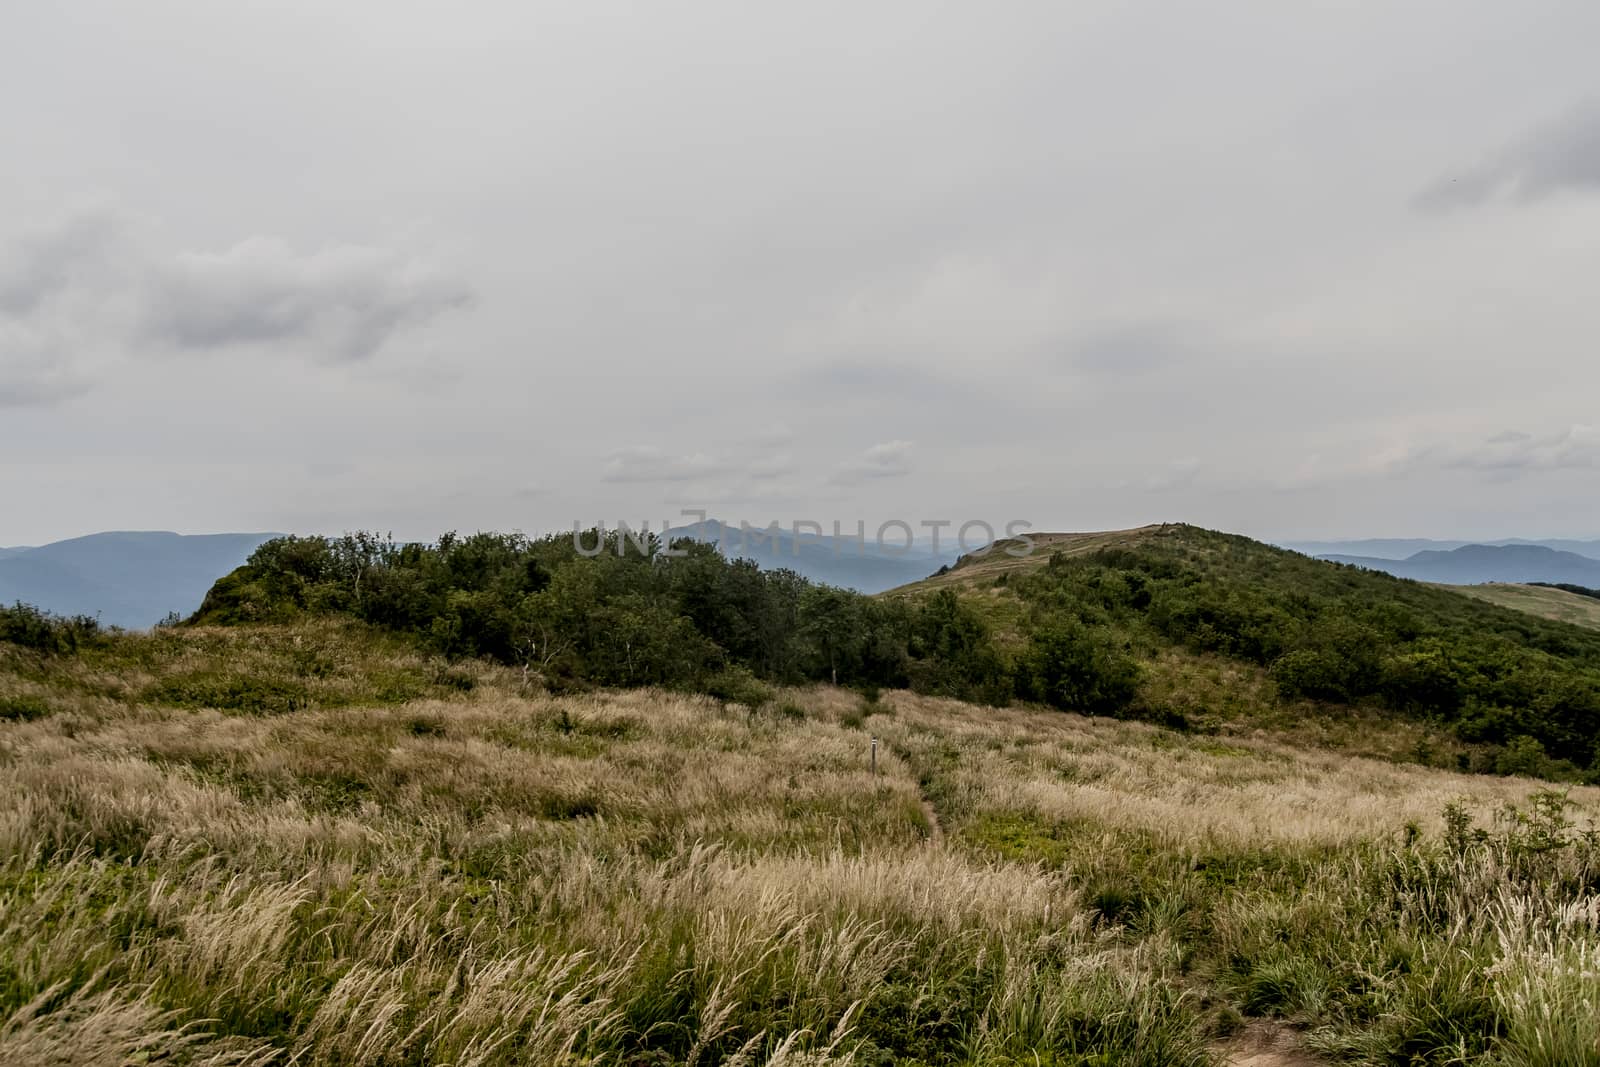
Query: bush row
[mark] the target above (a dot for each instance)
(697, 619)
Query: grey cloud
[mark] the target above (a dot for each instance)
(899, 391)
(51, 258)
(22, 357)
(63, 291)
(868, 376)
(38, 383)
(25, 393)
(91, 289)
(890, 459)
(876, 380)
(1128, 348)
(775, 435)
(766, 468)
(698, 496)
(1575, 448)
(330, 468)
(761, 458)
(1179, 475)
(1510, 453)
(344, 302)
(1564, 154)
(648, 464)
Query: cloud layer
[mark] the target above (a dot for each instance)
(1562, 155)
(1103, 264)
(342, 303)
(889, 459)
(93, 288)
(1515, 453)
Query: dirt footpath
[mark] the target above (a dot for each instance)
(1267, 1045)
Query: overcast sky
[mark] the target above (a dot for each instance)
(1294, 270)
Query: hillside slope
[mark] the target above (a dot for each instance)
(1225, 628)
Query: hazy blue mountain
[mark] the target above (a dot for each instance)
(128, 579)
(1581, 548)
(867, 569)
(1379, 547)
(1400, 548)
(1473, 564)
(4, 552)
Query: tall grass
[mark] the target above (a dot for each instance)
(488, 876)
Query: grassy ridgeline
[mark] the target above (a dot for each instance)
(431, 864)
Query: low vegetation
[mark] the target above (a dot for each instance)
(492, 802)
(431, 862)
(25, 626)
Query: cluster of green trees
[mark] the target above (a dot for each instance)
(31, 628)
(646, 618)
(1526, 687)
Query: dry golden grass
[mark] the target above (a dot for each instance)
(495, 879)
(1186, 788)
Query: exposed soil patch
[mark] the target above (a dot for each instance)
(1265, 1044)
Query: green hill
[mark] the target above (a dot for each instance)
(1286, 633)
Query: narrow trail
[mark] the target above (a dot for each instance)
(930, 814)
(1265, 1044)
(935, 830)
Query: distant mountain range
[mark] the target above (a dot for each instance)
(134, 579)
(1400, 548)
(1475, 564)
(128, 579)
(869, 568)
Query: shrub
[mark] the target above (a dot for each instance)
(1523, 755)
(28, 627)
(22, 708)
(1311, 673)
(1067, 666)
(229, 692)
(737, 685)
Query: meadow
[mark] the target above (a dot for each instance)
(1545, 601)
(311, 843)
